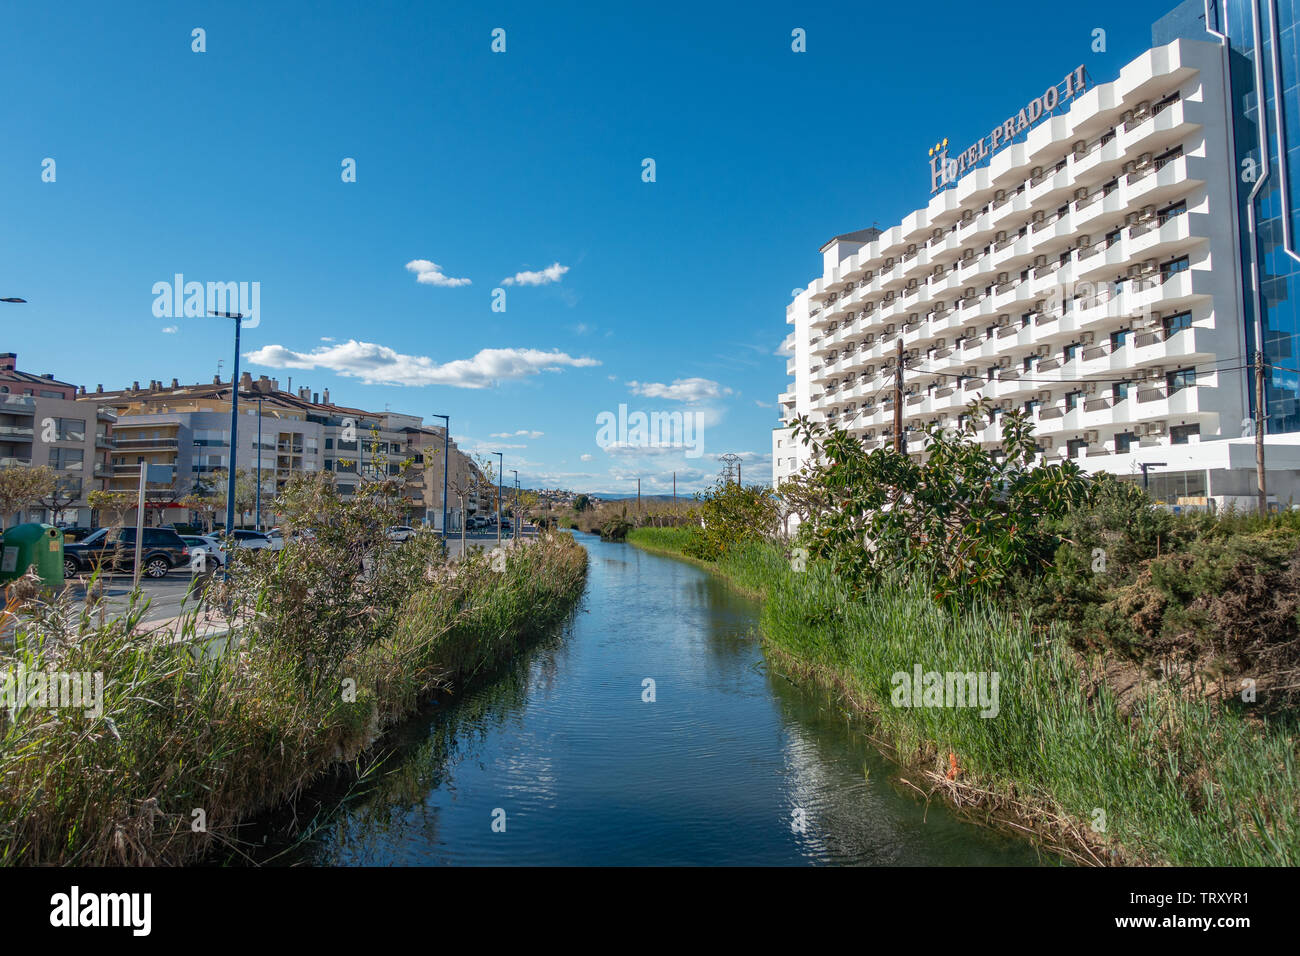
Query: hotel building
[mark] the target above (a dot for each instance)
(1105, 260)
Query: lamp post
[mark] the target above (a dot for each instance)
(500, 475)
(234, 429)
(259, 461)
(514, 512)
(446, 438)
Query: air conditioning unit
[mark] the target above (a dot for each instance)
(911, 248)
(967, 255)
(1003, 277)
(967, 216)
(940, 343)
(1043, 350)
(1085, 242)
(1087, 338)
(1091, 437)
(1081, 192)
(868, 339)
(1128, 115)
(911, 284)
(938, 272)
(890, 329)
(1090, 388)
(1004, 361)
(1003, 321)
(1080, 146)
(869, 371)
(1156, 373)
(871, 274)
(1130, 167)
(937, 234)
(1001, 236)
(1149, 266)
(1040, 261)
(1039, 215)
(1144, 161)
(1044, 396)
(1134, 271)
(911, 354)
(1154, 428)
(1040, 304)
(1036, 172)
(1006, 404)
(1000, 195)
(889, 263)
(1148, 212)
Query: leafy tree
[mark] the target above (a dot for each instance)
(581, 503)
(965, 517)
(22, 486)
(731, 515)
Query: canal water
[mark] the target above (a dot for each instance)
(731, 763)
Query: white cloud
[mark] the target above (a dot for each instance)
(327, 338)
(762, 404)
(170, 330)
(586, 457)
(522, 432)
(681, 390)
(430, 273)
(381, 365)
(551, 273)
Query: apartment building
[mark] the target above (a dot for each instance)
(290, 432)
(42, 423)
(1081, 263)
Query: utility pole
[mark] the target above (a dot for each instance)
(638, 496)
(1260, 419)
(898, 397)
(674, 489)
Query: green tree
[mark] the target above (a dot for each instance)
(966, 517)
(22, 486)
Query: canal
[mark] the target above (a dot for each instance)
(562, 759)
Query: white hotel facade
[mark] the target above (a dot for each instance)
(1087, 271)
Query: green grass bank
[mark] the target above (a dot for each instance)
(1161, 778)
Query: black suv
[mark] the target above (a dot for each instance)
(161, 550)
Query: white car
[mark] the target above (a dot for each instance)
(206, 545)
(401, 532)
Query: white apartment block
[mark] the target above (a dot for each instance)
(1087, 271)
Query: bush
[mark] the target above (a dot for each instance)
(731, 516)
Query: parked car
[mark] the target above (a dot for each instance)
(401, 532)
(251, 539)
(206, 545)
(162, 549)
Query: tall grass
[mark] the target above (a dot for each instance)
(232, 735)
(1167, 779)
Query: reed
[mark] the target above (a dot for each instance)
(186, 737)
(1166, 778)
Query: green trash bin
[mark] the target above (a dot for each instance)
(33, 545)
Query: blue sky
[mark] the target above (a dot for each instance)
(666, 296)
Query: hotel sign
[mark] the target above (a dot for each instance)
(945, 171)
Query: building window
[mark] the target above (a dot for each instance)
(1124, 442)
(1118, 339)
(1069, 352)
(1174, 266)
(1176, 323)
(1119, 391)
(67, 459)
(329, 443)
(1181, 434)
(71, 429)
(1179, 380)
(1075, 446)
(1171, 212)
(1072, 402)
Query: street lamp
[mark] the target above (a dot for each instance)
(234, 428)
(500, 475)
(259, 461)
(514, 513)
(446, 438)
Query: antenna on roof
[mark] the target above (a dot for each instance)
(220, 362)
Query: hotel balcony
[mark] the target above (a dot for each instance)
(14, 462)
(16, 433)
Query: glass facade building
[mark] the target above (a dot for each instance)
(1263, 47)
